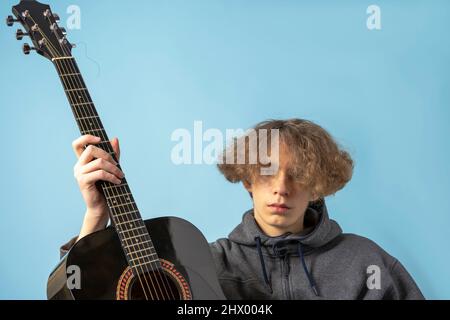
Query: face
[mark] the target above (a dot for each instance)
(279, 202)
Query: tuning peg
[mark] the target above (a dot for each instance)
(10, 21)
(20, 34)
(27, 49)
(63, 30)
(47, 14)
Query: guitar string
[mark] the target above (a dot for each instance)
(106, 140)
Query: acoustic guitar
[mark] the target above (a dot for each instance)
(165, 258)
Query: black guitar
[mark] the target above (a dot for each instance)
(123, 261)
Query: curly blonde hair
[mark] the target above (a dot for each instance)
(317, 161)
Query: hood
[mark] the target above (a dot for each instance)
(319, 229)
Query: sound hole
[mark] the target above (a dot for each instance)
(154, 286)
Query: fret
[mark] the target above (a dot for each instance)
(96, 130)
(132, 229)
(130, 214)
(80, 89)
(125, 213)
(122, 204)
(91, 117)
(61, 58)
(83, 98)
(116, 186)
(145, 249)
(141, 257)
(144, 260)
(136, 240)
(130, 235)
(114, 204)
(70, 74)
(82, 104)
(94, 125)
(134, 237)
(83, 132)
(83, 107)
(78, 99)
(120, 195)
(130, 247)
(129, 222)
(120, 200)
(136, 244)
(92, 132)
(144, 263)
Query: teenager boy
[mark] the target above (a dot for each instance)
(286, 246)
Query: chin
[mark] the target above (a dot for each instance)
(278, 220)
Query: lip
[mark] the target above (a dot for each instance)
(279, 207)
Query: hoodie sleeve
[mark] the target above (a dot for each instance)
(66, 247)
(402, 286)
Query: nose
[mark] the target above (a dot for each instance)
(280, 184)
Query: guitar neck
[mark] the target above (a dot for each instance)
(124, 213)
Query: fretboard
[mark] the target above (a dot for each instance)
(124, 213)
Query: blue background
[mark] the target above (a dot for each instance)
(155, 66)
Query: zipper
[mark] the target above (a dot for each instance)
(285, 275)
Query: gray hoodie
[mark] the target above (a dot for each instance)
(320, 263)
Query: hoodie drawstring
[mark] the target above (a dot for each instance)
(312, 283)
(302, 259)
(263, 265)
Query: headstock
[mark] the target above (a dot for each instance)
(41, 25)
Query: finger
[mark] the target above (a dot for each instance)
(116, 147)
(79, 143)
(92, 177)
(101, 164)
(92, 152)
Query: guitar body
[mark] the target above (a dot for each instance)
(104, 273)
